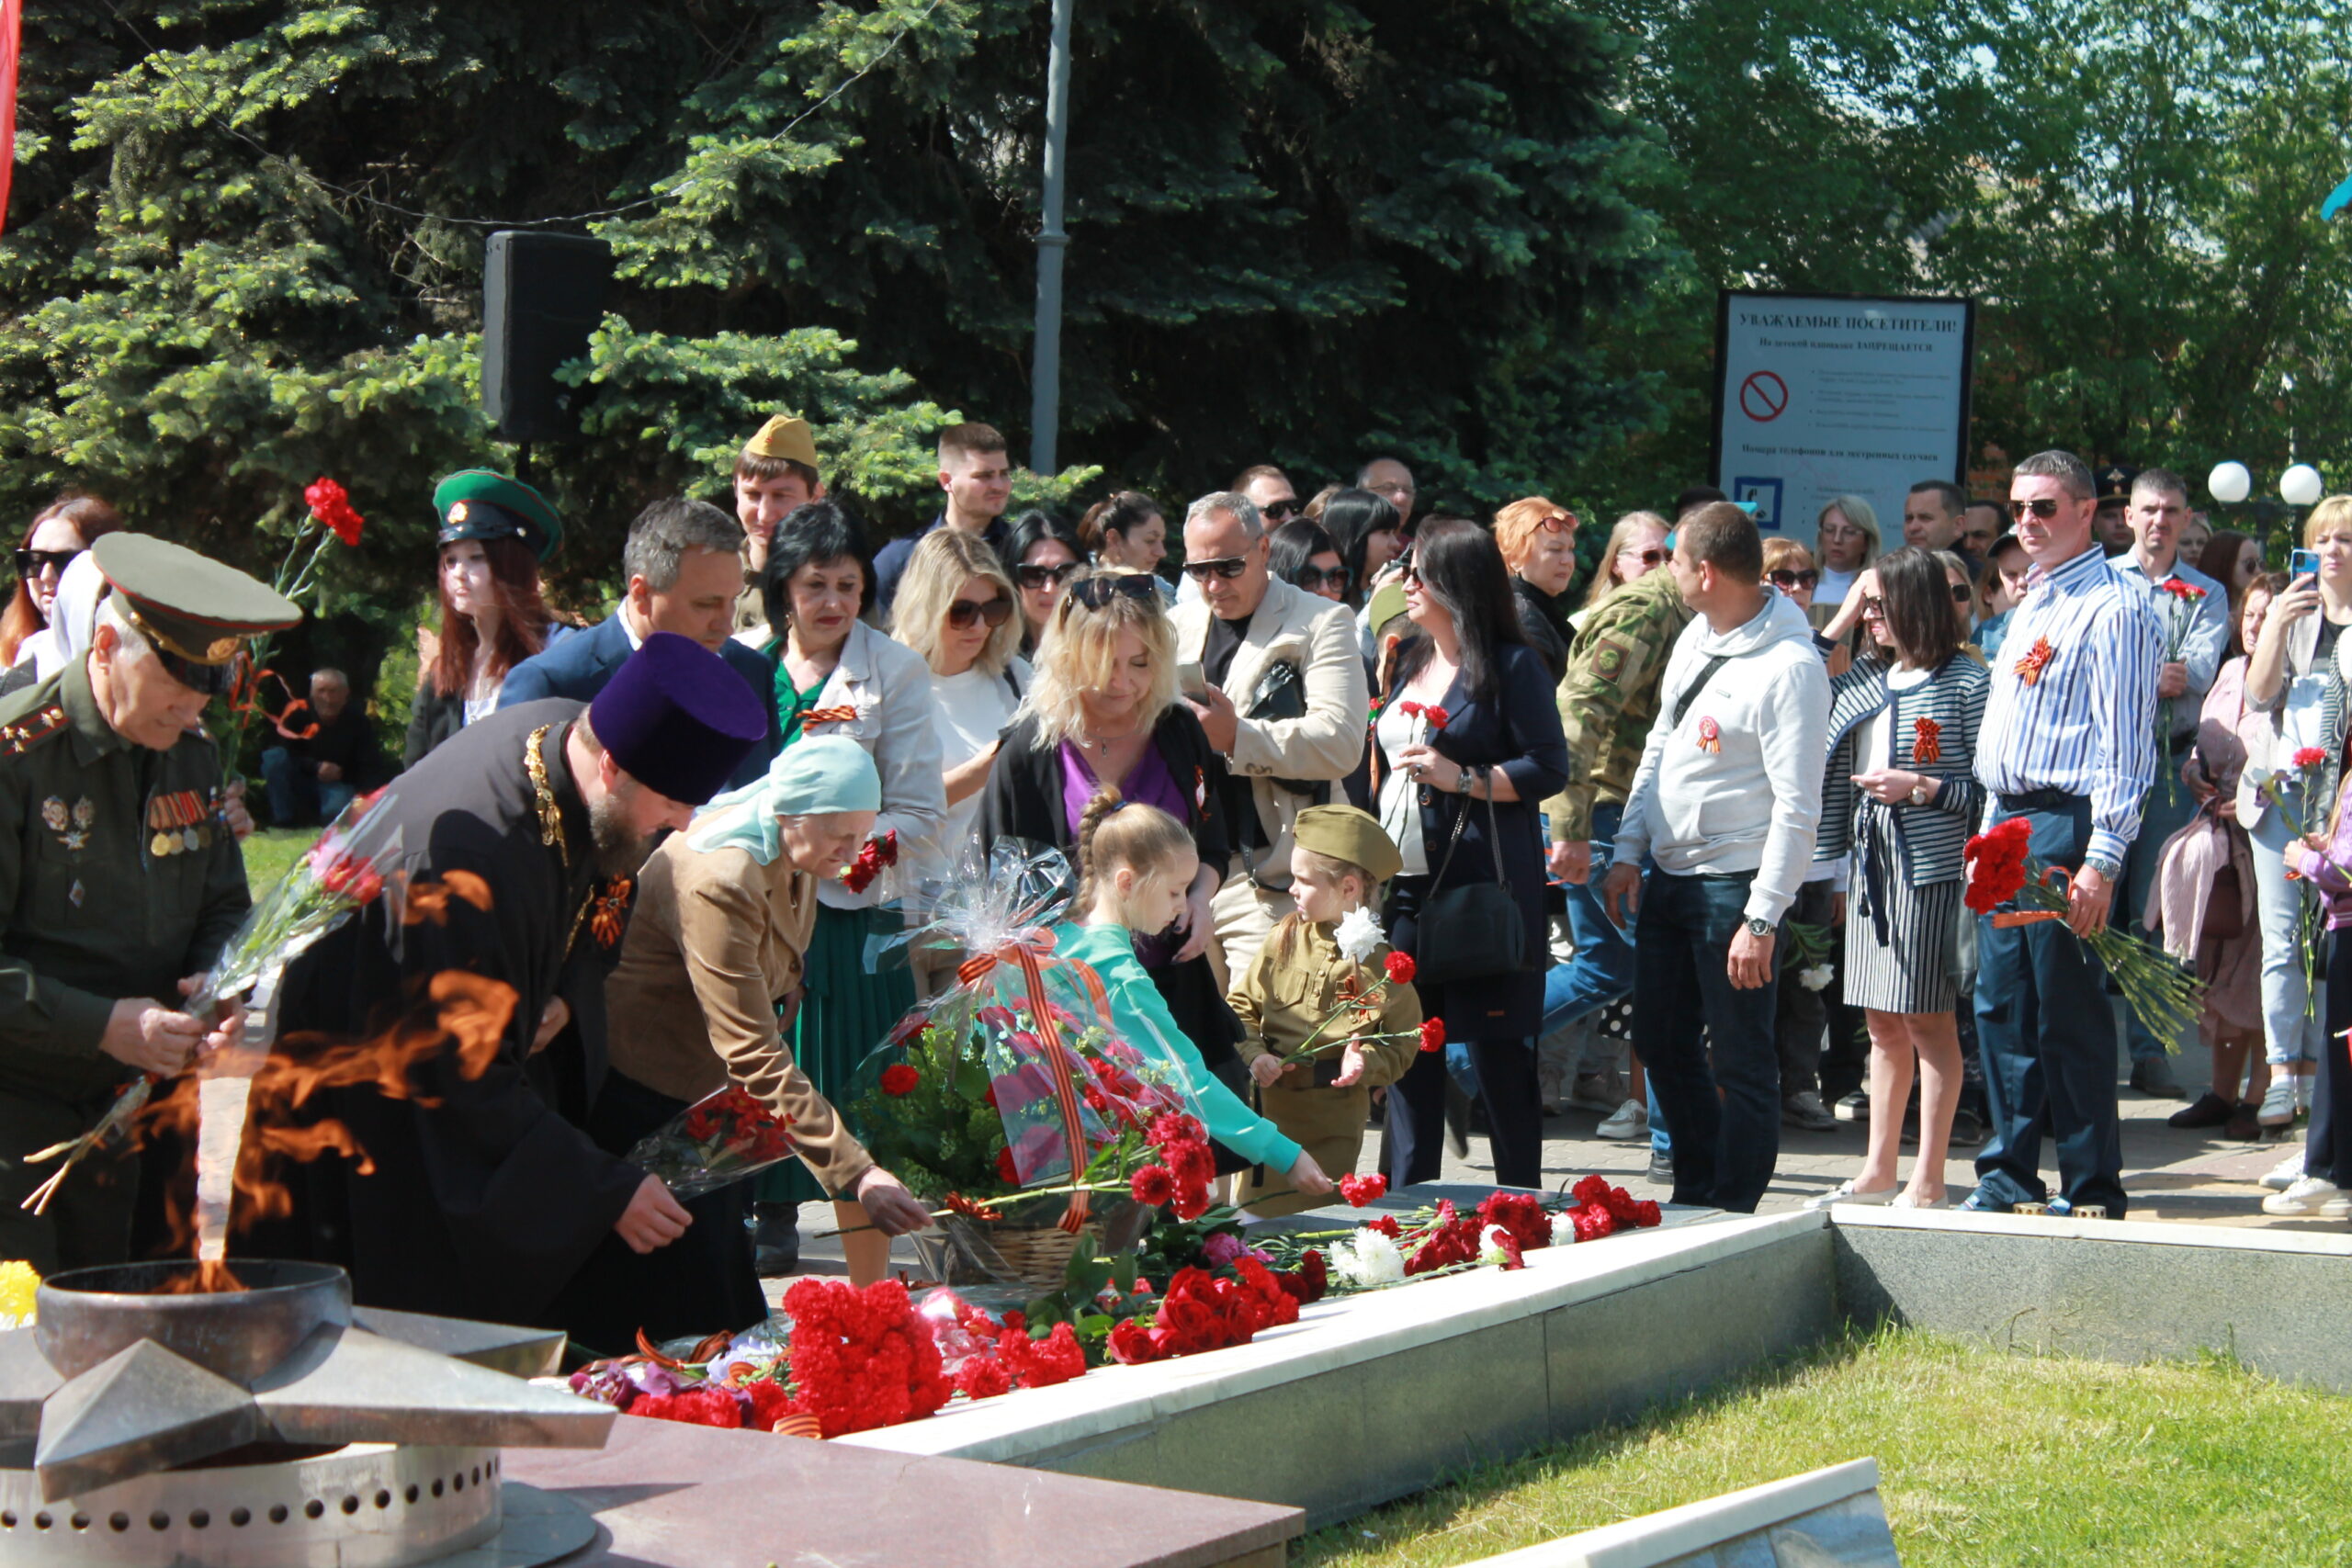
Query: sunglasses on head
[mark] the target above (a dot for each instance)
(30, 563)
(1226, 567)
(1313, 578)
(1282, 510)
(964, 612)
(2042, 507)
(1043, 576)
(1558, 522)
(1788, 579)
(1094, 592)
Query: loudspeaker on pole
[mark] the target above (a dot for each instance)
(542, 295)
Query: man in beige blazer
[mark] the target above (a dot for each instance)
(1238, 635)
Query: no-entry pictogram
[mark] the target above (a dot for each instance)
(1763, 396)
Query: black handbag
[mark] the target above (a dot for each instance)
(1473, 932)
(1281, 695)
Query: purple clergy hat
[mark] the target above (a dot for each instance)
(677, 718)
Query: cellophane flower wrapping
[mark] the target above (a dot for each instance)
(717, 1141)
(963, 1101)
(350, 866)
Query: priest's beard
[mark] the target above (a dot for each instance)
(620, 848)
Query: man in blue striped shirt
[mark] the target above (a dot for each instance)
(2067, 743)
(2197, 636)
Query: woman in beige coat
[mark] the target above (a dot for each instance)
(721, 923)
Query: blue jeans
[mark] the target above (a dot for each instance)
(1602, 970)
(2167, 808)
(296, 797)
(2291, 1014)
(2047, 1035)
(1726, 1118)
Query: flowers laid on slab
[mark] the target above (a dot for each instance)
(2001, 868)
(718, 1140)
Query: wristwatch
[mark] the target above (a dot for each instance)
(2104, 867)
(1760, 927)
(1919, 790)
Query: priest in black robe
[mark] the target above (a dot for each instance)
(458, 1030)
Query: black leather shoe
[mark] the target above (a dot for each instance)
(1661, 1169)
(2209, 1110)
(775, 1239)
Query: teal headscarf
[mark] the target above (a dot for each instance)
(825, 772)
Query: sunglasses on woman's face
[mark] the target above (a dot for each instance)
(1962, 592)
(1034, 576)
(2042, 507)
(1653, 556)
(1314, 579)
(32, 563)
(1796, 579)
(1094, 592)
(964, 612)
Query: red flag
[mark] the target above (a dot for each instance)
(12, 21)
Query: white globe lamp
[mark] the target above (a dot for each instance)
(2301, 486)
(2228, 484)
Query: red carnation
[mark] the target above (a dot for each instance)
(2309, 757)
(1400, 968)
(1154, 1184)
(1004, 1171)
(330, 505)
(1997, 864)
(900, 1078)
(1432, 1035)
(1434, 716)
(1361, 1190)
(1386, 1225)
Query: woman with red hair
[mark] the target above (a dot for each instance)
(494, 533)
(61, 530)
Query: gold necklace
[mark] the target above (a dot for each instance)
(535, 763)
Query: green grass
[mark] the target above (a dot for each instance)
(1985, 1458)
(271, 851)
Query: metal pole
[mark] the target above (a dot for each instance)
(1045, 371)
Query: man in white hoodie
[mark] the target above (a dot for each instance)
(1725, 805)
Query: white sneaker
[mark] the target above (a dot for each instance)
(1630, 1121)
(1847, 1192)
(2279, 1102)
(2286, 1173)
(2310, 1195)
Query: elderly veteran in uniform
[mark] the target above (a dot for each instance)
(480, 1193)
(118, 880)
(723, 917)
(1282, 697)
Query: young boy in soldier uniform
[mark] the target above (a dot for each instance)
(1299, 977)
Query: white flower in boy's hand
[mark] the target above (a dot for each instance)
(1815, 978)
(1357, 934)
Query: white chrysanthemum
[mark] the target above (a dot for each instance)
(1817, 978)
(1357, 934)
(1369, 1258)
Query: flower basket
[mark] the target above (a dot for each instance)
(1026, 1246)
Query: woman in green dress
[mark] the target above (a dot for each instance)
(836, 675)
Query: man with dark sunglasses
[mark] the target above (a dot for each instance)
(1283, 699)
(2065, 746)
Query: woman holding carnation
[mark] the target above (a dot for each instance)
(836, 675)
(1900, 795)
(1467, 740)
(1135, 863)
(2295, 688)
(719, 931)
(1102, 715)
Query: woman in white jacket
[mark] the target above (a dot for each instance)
(836, 675)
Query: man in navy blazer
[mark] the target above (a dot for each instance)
(685, 560)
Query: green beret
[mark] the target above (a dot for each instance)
(196, 611)
(1347, 833)
(477, 503)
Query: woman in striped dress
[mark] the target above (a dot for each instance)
(1900, 795)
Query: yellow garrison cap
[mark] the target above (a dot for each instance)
(1347, 833)
(785, 438)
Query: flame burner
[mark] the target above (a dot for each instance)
(272, 1426)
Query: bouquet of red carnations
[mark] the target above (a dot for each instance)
(349, 867)
(713, 1143)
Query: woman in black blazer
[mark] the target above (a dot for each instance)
(1102, 712)
(1499, 741)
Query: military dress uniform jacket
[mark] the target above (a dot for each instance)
(481, 1193)
(117, 879)
(1609, 697)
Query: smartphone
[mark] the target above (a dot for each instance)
(2302, 563)
(1191, 681)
